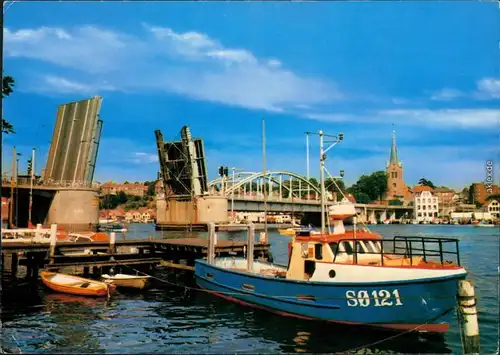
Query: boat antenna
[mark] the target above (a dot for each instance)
(265, 175)
(322, 157)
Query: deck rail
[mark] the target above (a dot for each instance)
(430, 249)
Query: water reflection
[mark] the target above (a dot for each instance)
(167, 319)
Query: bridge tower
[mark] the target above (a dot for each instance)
(185, 201)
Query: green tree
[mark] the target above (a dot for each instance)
(335, 185)
(7, 89)
(361, 197)
(314, 182)
(109, 202)
(374, 186)
(471, 194)
(425, 182)
(395, 203)
(151, 187)
(493, 197)
(122, 197)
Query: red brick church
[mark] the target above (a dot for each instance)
(396, 187)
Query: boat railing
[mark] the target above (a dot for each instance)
(429, 249)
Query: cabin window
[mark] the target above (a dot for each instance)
(347, 247)
(334, 246)
(318, 251)
(305, 250)
(376, 246)
(309, 267)
(369, 247)
(359, 248)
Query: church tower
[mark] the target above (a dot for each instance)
(396, 187)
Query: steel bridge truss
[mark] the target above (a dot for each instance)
(275, 182)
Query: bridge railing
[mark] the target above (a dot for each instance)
(37, 182)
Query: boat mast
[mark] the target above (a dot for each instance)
(264, 172)
(322, 180)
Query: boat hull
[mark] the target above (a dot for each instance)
(130, 282)
(64, 285)
(399, 305)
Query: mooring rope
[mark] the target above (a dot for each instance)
(395, 335)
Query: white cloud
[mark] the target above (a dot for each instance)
(489, 88)
(273, 63)
(57, 84)
(190, 64)
(486, 89)
(454, 118)
(144, 158)
(87, 48)
(447, 95)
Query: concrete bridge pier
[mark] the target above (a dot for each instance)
(179, 214)
(362, 215)
(74, 210)
(372, 218)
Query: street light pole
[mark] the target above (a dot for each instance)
(17, 190)
(322, 181)
(31, 185)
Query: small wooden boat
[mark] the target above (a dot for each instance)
(76, 285)
(129, 281)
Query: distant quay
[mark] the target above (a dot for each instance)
(230, 227)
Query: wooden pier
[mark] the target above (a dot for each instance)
(143, 254)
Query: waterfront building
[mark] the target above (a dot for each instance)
(481, 192)
(444, 196)
(396, 187)
(426, 205)
(493, 208)
(111, 188)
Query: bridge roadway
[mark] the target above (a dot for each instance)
(368, 212)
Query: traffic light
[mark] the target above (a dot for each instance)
(30, 166)
(221, 171)
(226, 170)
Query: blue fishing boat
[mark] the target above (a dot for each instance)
(347, 276)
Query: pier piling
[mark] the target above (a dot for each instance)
(112, 241)
(250, 245)
(468, 314)
(211, 243)
(53, 241)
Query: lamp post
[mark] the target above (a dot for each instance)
(17, 189)
(232, 191)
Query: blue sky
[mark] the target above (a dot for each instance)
(429, 68)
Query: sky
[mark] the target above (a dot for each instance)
(428, 70)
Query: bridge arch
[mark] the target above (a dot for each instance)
(270, 177)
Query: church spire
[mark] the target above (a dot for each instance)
(394, 150)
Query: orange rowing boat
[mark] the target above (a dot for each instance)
(76, 285)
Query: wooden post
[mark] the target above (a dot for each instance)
(53, 241)
(262, 238)
(112, 241)
(250, 244)
(37, 231)
(468, 313)
(14, 264)
(211, 243)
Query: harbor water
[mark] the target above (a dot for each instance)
(171, 318)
